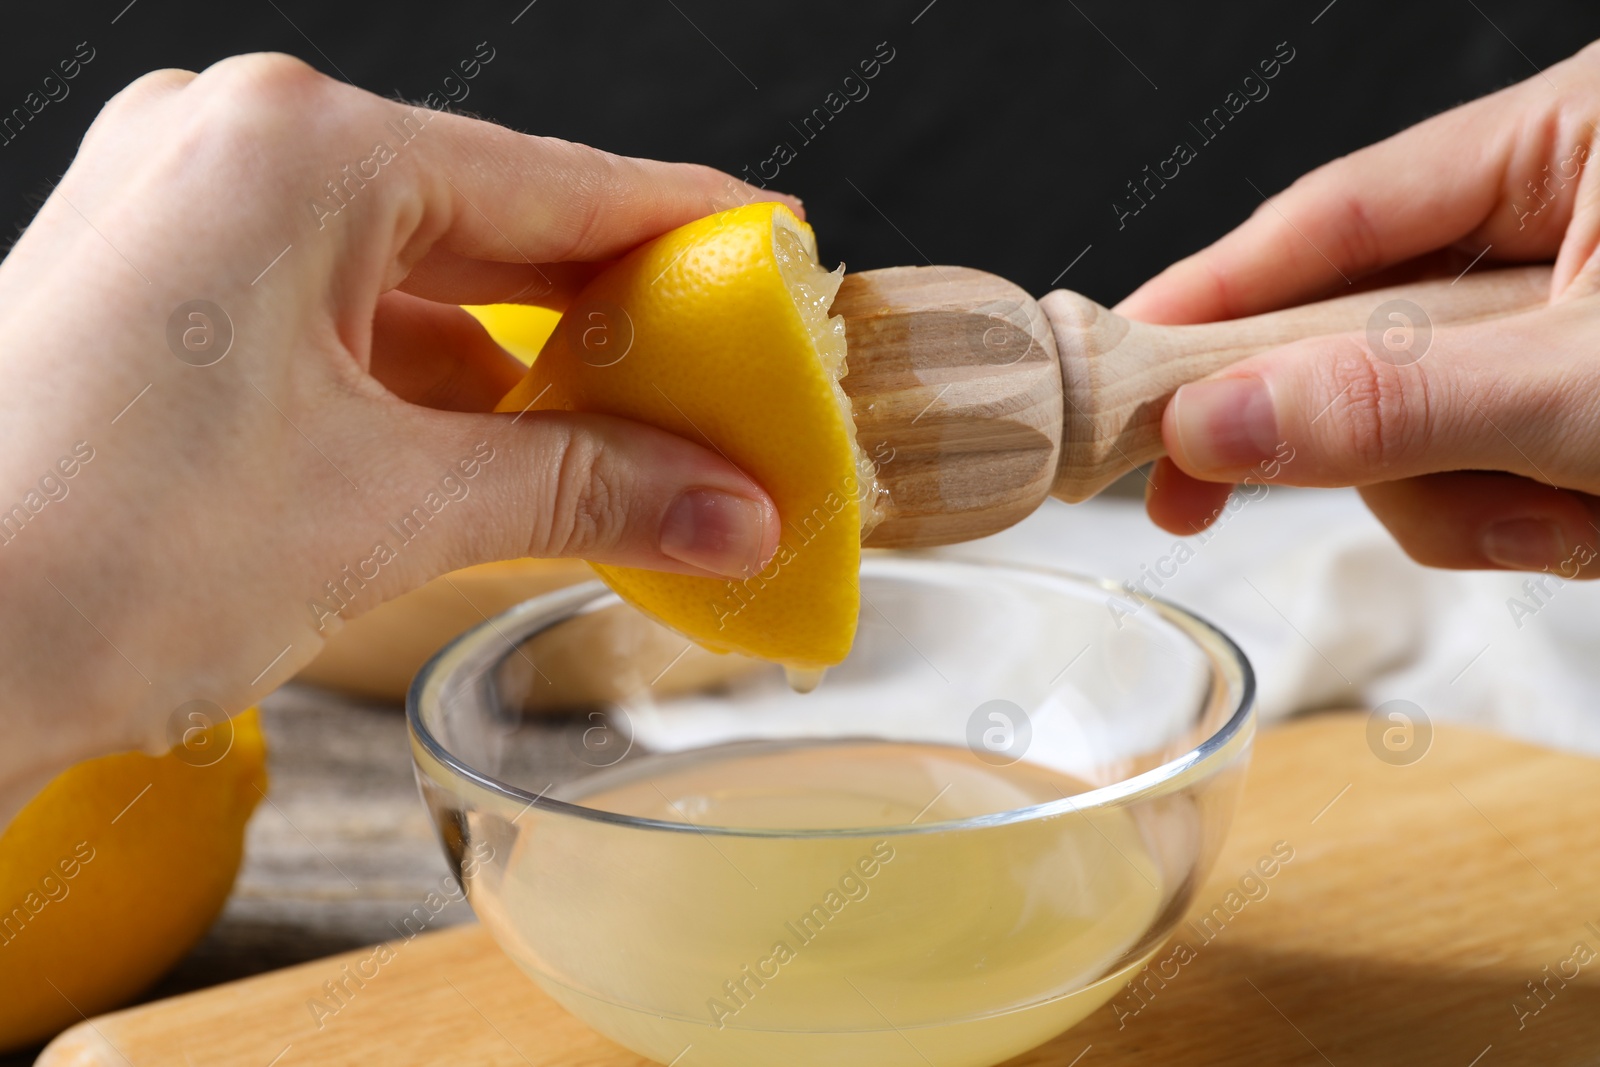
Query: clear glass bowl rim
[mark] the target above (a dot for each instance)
(561, 604)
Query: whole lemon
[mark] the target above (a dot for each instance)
(114, 871)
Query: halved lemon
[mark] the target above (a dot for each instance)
(114, 871)
(521, 329)
(719, 332)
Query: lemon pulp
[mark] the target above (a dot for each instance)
(814, 290)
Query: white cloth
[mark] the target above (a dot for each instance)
(1333, 614)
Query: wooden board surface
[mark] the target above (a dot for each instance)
(1420, 903)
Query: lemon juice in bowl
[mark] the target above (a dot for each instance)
(945, 946)
(742, 875)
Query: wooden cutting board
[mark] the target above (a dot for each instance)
(1422, 906)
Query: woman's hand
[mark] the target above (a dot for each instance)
(1484, 452)
(240, 402)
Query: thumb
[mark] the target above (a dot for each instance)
(596, 487)
(1509, 394)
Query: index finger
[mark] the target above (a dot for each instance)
(1447, 180)
(514, 207)
(475, 211)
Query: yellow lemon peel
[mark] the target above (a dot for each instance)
(115, 869)
(719, 332)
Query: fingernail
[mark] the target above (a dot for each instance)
(1524, 544)
(1225, 424)
(715, 531)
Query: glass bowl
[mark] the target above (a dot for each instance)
(965, 840)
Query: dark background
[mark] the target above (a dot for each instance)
(998, 137)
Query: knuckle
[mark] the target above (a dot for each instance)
(236, 103)
(149, 87)
(718, 189)
(588, 513)
(267, 76)
(137, 99)
(240, 104)
(1588, 56)
(1211, 272)
(1356, 241)
(1378, 414)
(594, 176)
(1329, 208)
(265, 96)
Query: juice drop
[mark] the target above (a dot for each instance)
(804, 679)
